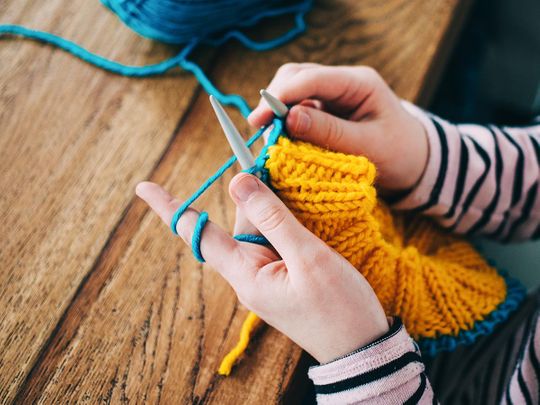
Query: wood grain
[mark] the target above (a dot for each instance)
(73, 143)
(102, 303)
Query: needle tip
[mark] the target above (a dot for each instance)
(279, 109)
(245, 158)
(216, 105)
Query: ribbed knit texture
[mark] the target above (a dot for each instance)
(437, 283)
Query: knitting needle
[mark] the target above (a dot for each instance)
(239, 148)
(279, 109)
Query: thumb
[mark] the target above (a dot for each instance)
(271, 217)
(323, 129)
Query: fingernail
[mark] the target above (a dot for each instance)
(245, 188)
(303, 122)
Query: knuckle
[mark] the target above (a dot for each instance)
(370, 74)
(369, 71)
(272, 217)
(306, 75)
(309, 79)
(289, 68)
(334, 132)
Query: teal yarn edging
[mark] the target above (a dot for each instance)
(181, 60)
(257, 169)
(515, 294)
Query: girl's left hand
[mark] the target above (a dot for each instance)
(303, 288)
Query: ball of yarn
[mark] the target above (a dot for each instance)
(186, 22)
(182, 21)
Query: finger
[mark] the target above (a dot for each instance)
(317, 104)
(344, 86)
(326, 130)
(243, 226)
(341, 88)
(271, 217)
(217, 247)
(262, 114)
(158, 199)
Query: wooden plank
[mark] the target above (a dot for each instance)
(149, 323)
(73, 142)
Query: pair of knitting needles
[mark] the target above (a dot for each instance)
(239, 148)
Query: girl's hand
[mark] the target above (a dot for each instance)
(352, 110)
(302, 288)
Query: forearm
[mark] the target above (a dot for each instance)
(479, 179)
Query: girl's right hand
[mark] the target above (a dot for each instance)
(300, 286)
(352, 110)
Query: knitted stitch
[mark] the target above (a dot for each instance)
(434, 281)
(437, 283)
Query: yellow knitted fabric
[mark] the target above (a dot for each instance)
(435, 282)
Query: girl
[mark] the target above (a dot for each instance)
(469, 178)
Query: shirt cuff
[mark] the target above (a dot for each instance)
(374, 370)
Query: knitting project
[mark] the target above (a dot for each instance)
(444, 291)
(437, 283)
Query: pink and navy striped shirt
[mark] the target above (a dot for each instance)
(479, 180)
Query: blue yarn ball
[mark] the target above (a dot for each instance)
(187, 22)
(183, 21)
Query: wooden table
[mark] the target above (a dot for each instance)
(99, 301)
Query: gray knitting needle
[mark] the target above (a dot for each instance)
(279, 109)
(239, 148)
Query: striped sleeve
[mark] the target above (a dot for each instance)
(524, 385)
(479, 179)
(388, 371)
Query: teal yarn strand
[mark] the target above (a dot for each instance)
(181, 21)
(256, 239)
(206, 185)
(258, 168)
(190, 23)
(196, 237)
(228, 99)
(92, 58)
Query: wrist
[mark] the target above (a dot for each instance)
(354, 340)
(418, 151)
(419, 194)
